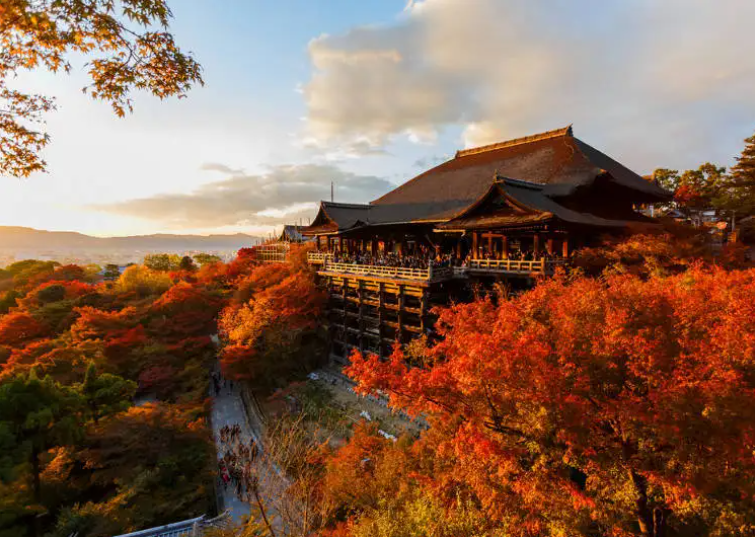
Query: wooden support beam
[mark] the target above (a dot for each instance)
(549, 246)
(565, 248)
(536, 243)
(474, 245)
(505, 253)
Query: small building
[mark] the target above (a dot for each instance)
(512, 210)
(293, 233)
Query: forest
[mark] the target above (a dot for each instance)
(104, 387)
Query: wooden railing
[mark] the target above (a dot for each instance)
(378, 271)
(515, 266)
(318, 258)
(272, 253)
(493, 266)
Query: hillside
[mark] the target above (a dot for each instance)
(22, 242)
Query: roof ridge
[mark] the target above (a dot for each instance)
(343, 204)
(564, 131)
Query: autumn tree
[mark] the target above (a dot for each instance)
(267, 337)
(18, 327)
(186, 310)
(35, 416)
(130, 46)
(143, 281)
(619, 406)
(162, 262)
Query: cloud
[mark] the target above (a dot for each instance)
(282, 194)
(667, 79)
(217, 167)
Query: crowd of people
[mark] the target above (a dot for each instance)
(235, 466)
(425, 260)
(219, 383)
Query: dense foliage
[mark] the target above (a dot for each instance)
(614, 406)
(103, 386)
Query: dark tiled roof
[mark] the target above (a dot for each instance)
(534, 203)
(333, 216)
(554, 157)
(555, 160)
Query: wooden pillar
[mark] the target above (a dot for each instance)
(400, 312)
(340, 244)
(474, 245)
(490, 245)
(505, 254)
(361, 315)
(549, 246)
(536, 244)
(381, 292)
(565, 248)
(458, 248)
(317, 242)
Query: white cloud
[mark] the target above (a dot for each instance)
(635, 74)
(283, 194)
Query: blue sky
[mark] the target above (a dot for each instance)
(370, 93)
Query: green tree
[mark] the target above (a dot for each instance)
(36, 416)
(105, 393)
(666, 178)
(740, 197)
(137, 53)
(187, 264)
(701, 189)
(112, 272)
(206, 259)
(162, 262)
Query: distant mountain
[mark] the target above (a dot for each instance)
(23, 242)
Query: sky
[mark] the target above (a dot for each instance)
(368, 94)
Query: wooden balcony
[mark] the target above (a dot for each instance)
(510, 267)
(389, 273)
(318, 258)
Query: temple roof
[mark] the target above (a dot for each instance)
(553, 157)
(555, 160)
(510, 202)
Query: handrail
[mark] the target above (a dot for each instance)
(507, 266)
(536, 266)
(379, 270)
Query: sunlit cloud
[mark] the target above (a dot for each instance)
(283, 194)
(636, 74)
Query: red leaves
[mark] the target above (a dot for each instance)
(18, 327)
(655, 375)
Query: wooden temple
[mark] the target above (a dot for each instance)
(513, 210)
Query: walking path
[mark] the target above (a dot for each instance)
(228, 409)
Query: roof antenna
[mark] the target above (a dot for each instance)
(331, 192)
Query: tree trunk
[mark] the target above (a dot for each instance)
(644, 516)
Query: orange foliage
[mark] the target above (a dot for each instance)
(559, 407)
(17, 327)
(99, 324)
(185, 310)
